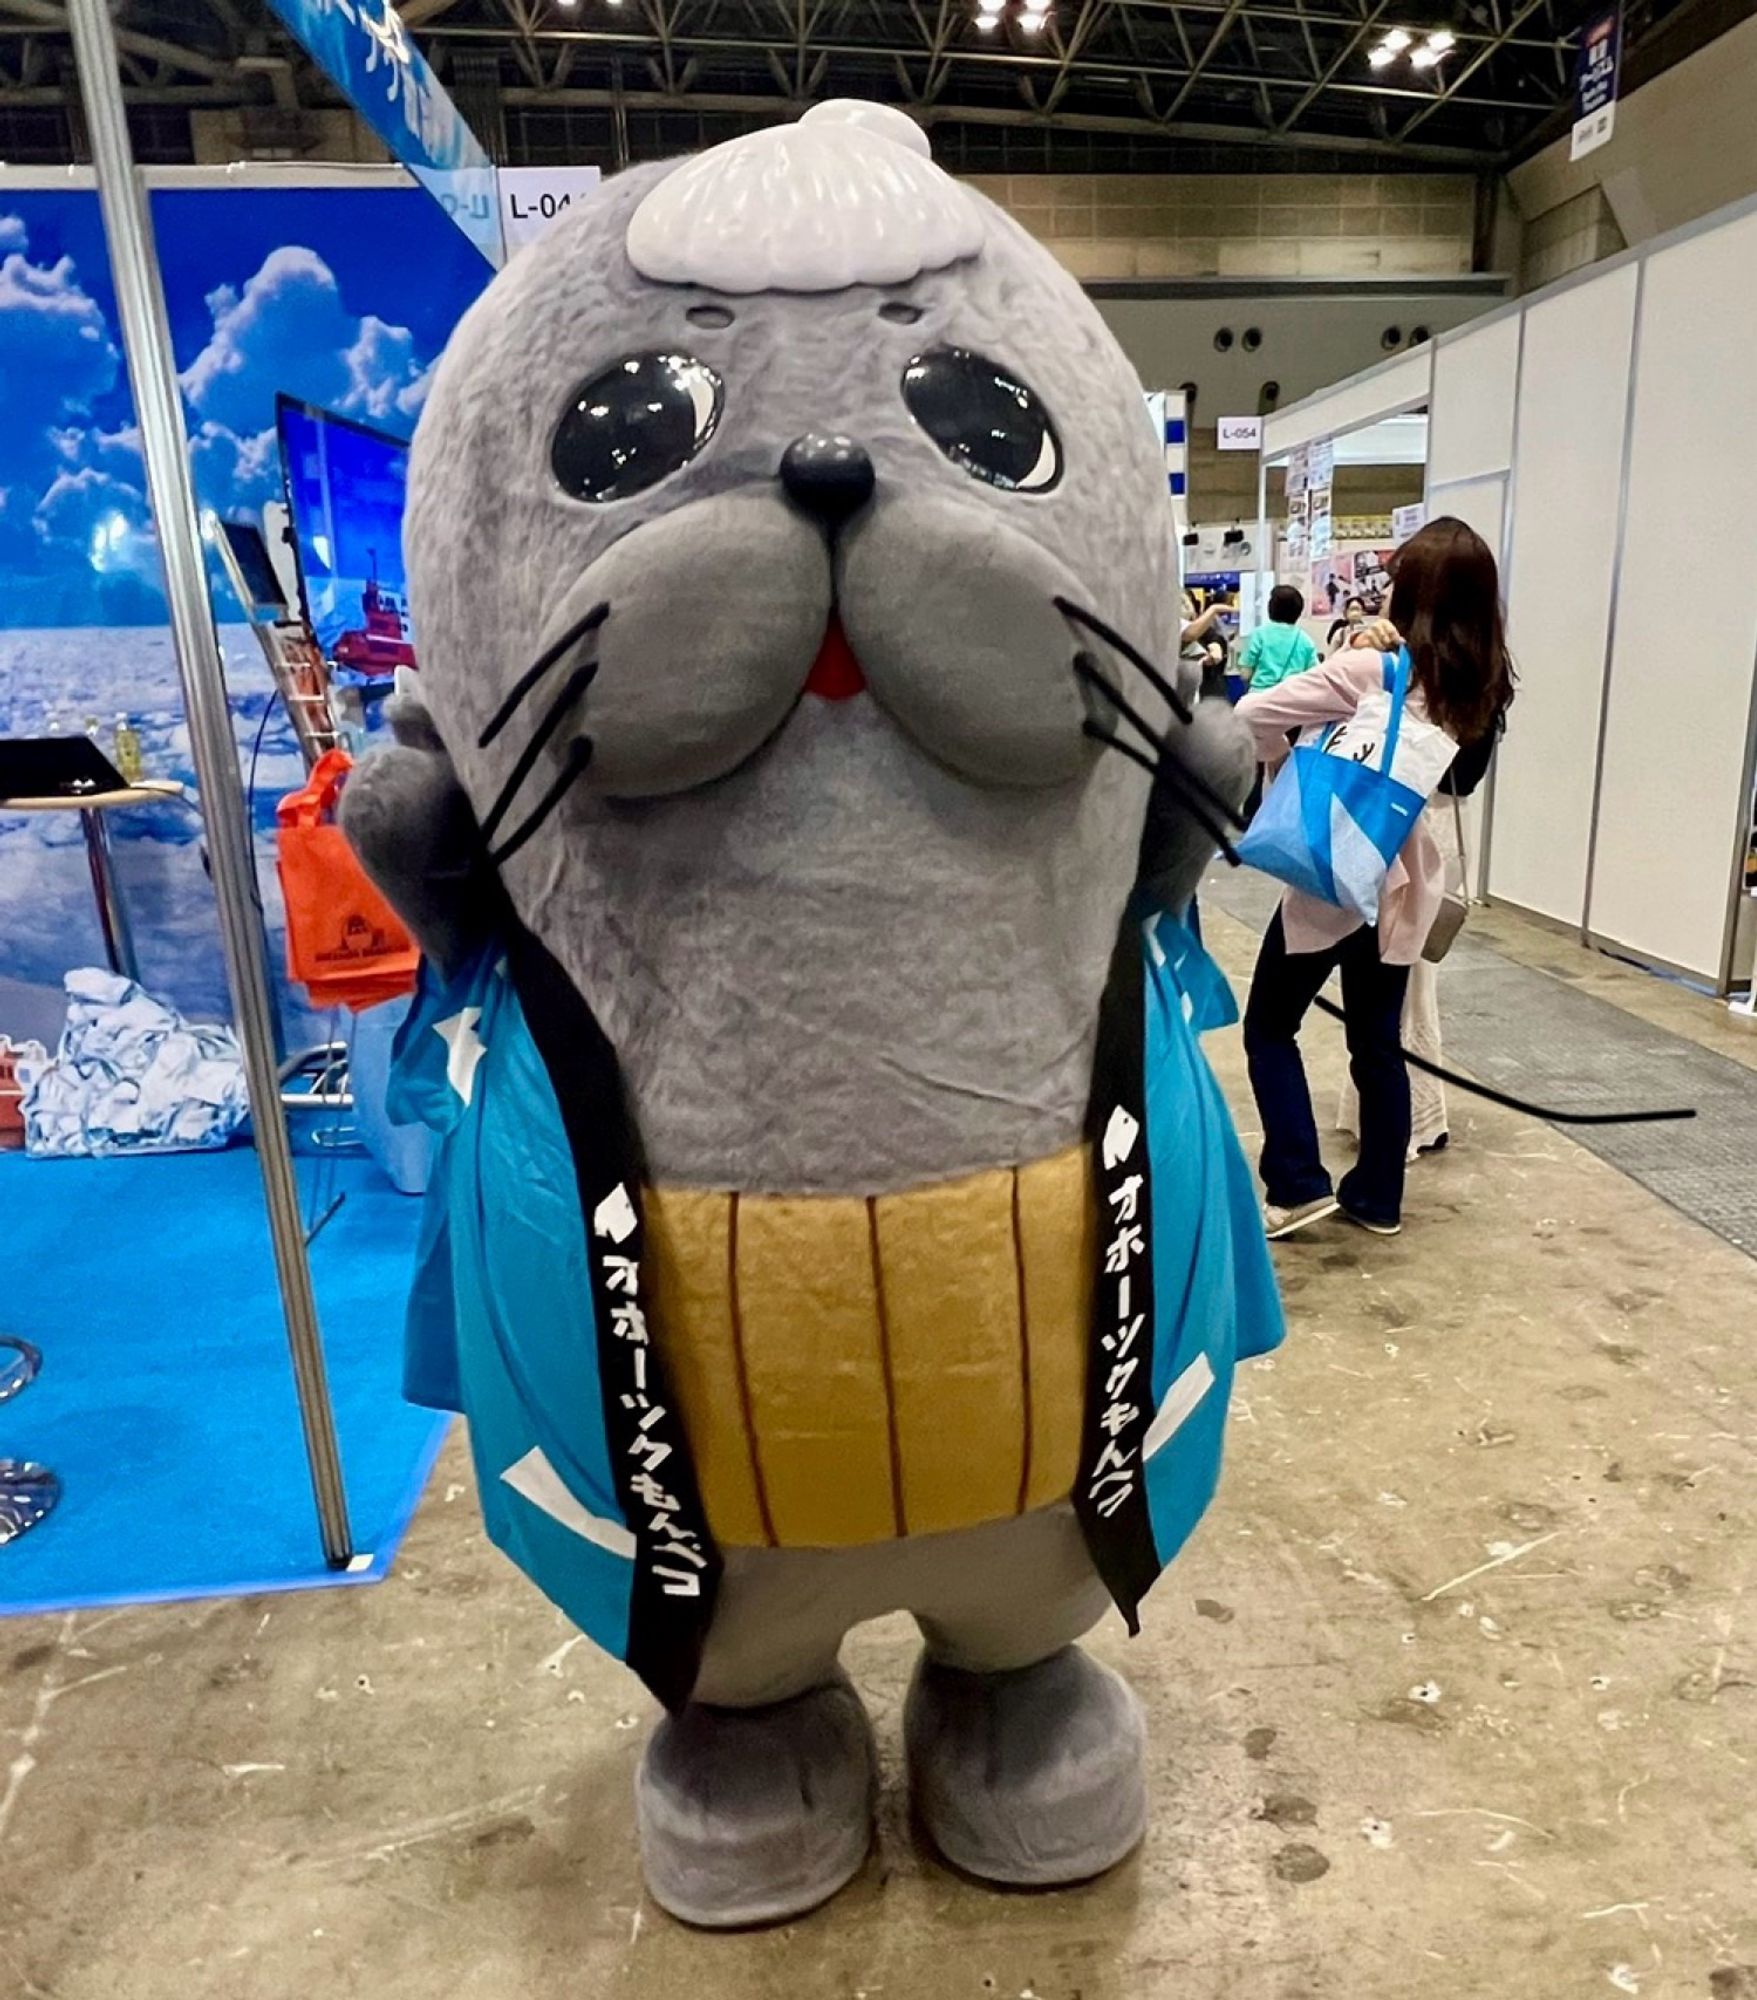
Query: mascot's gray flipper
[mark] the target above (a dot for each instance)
(410, 822)
(1176, 846)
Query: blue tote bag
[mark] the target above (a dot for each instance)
(1342, 807)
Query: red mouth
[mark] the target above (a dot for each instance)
(835, 673)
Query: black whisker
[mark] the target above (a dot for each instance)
(1192, 780)
(538, 668)
(1102, 735)
(1086, 669)
(579, 755)
(1069, 609)
(571, 689)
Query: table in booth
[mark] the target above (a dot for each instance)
(53, 774)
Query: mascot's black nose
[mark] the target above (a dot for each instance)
(829, 477)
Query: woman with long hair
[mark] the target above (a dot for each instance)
(1446, 606)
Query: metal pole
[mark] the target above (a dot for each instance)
(146, 340)
(112, 913)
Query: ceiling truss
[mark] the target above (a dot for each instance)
(1198, 82)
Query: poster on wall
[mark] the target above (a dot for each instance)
(1350, 576)
(1298, 540)
(1595, 82)
(1406, 521)
(1332, 585)
(1320, 478)
(1297, 474)
(342, 297)
(1321, 526)
(1372, 578)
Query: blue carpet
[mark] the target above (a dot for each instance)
(166, 1401)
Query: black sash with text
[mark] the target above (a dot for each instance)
(676, 1566)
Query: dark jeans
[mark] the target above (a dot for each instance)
(1282, 989)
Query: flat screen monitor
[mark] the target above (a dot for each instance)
(254, 571)
(346, 485)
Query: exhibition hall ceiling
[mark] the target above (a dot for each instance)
(1015, 86)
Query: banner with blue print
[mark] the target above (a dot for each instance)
(367, 53)
(1596, 70)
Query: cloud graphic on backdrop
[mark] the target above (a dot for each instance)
(76, 537)
(289, 329)
(76, 540)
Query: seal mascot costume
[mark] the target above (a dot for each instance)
(833, 1212)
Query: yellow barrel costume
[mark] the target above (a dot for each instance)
(851, 1369)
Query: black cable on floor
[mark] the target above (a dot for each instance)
(1509, 1103)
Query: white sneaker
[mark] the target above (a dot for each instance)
(1279, 1222)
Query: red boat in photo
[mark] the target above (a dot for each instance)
(382, 644)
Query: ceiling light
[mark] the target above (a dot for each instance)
(1397, 40)
(987, 23)
(1424, 58)
(1381, 56)
(1441, 40)
(993, 7)
(1032, 21)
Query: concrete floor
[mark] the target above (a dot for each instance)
(1455, 1692)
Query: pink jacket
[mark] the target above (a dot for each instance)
(1309, 702)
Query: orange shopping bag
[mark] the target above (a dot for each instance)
(345, 944)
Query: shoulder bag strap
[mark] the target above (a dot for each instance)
(1396, 671)
(1463, 850)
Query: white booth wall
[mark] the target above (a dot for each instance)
(1599, 435)
(1561, 577)
(1678, 708)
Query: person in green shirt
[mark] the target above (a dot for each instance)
(1279, 648)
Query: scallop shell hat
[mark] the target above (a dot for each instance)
(847, 196)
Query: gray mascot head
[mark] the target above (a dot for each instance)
(786, 460)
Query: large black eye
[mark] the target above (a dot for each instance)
(983, 419)
(634, 425)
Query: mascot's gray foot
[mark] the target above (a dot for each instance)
(1029, 1778)
(750, 1816)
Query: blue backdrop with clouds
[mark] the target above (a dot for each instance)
(342, 297)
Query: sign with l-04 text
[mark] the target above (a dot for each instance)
(533, 197)
(1595, 82)
(1239, 434)
(371, 58)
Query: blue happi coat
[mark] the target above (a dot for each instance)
(526, 1312)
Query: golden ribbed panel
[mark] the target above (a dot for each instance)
(688, 1235)
(815, 1419)
(1058, 1234)
(951, 1306)
(814, 1362)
